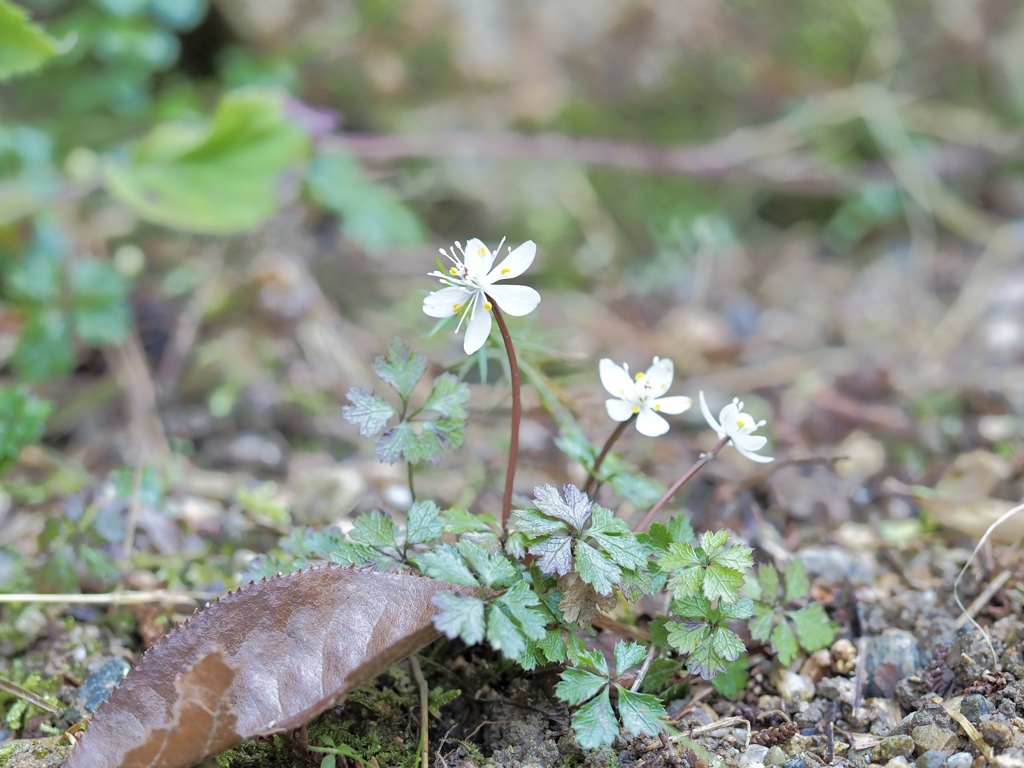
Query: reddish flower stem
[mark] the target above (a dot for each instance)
(591, 485)
(687, 476)
(517, 415)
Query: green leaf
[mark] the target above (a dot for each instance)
(371, 213)
(572, 505)
(712, 541)
(44, 348)
(680, 530)
(797, 583)
(554, 554)
(401, 443)
(784, 642)
(616, 539)
(722, 583)
(577, 685)
(23, 45)
(687, 637)
(448, 397)
(444, 562)
(375, 529)
(400, 367)
(521, 602)
(737, 557)
(535, 524)
(813, 627)
(553, 646)
(741, 609)
(577, 654)
(503, 634)
(692, 607)
(593, 659)
(448, 433)
(628, 655)
(596, 568)
(22, 419)
(679, 557)
(369, 411)
(99, 304)
(726, 643)
(594, 723)
(660, 675)
(761, 625)
(733, 682)
(424, 523)
(706, 662)
(640, 712)
(636, 488)
(460, 616)
(217, 179)
(456, 520)
(687, 582)
(768, 580)
(494, 569)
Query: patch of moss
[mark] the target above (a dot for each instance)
(5, 753)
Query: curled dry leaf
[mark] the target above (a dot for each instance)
(265, 659)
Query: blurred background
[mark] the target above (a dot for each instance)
(214, 213)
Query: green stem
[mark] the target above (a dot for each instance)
(591, 485)
(409, 473)
(517, 415)
(687, 476)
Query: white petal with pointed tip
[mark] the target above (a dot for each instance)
(442, 303)
(673, 405)
(478, 328)
(515, 263)
(515, 300)
(651, 424)
(615, 379)
(659, 376)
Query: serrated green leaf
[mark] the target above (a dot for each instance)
(679, 557)
(661, 674)
(553, 646)
(726, 643)
(529, 659)
(628, 655)
(680, 529)
(686, 637)
(784, 642)
(705, 662)
(22, 419)
(733, 682)
(24, 46)
(692, 607)
(216, 179)
(503, 634)
(400, 367)
(447, 433)
(761, 625)
(722, 583)
(655, 541)
(596, 568)
(686, 582)
(460, 616)
(712, 541)
(448, 397)
(594, 723)
(576, 651)
(797, 583)
(360, 555)
(593, 659)
(738, 557)
(375, 529)
(641, 713)
(522, 602)
(444, 563)
(369, 411)
(636, 583)
(423, 523)
(616, 539)
(554, 554)
(401, 443)
(577, 685)
(535, 523)
(768, 581)
(493, 568)
(741, 609)
(44, 348)
(99, 302)
(571, 505)
(457, 520)
(813, 627)
(515, 545)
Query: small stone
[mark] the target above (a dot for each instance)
(1011, 758)
(959, 760)
(775, 756)
(795, 762)
(836, 689)
(970, 655)
(933, 738)
(933, 714)
(892, 746)
(931, 759)
(898, 762)
(999, 735)
(818, 665)
(973, 707)
(754, 755)
(894, 647)
(795, 687)
(844, 656)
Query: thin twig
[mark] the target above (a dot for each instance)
(982, 600)
(113, 598)
(421, 683)
(687, 476)
(591, 485)
(651, 653)
(23, 693)
(517, 415)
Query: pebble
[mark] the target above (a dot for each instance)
(960, 760)
(970, 655)
(754, 756)
(818, 665)
(892, 746)
(975, 706)
(898, 762)
(775, 756)
(932, 714)
(835, 565)
(896, 647)
(836, 689)
(793, 686)
(933, 738)
(796, 762)
(933, 758)
(999, 735)
(1011, 758)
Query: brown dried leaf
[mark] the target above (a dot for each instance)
(580, 602)
(265, 659)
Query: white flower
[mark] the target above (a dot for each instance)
(642, 395)
(471, 285)
(737, 426)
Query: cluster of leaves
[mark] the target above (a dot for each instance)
(421, 434)
(777, 621)
(589, 689)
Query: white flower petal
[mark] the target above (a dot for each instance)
(515, 300)
(515, 263)
(478, 258)
(728, 415)
(659, 376)
(651, 424)
(478, 328)
(750, 442)
(753, 456)
(616, 380)
(443, 303)
(709, 418)
(675, 404)
(618, 410)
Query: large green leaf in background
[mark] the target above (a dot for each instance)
(23, 45)
(217, 179)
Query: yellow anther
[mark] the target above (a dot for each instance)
(456, 307)
(639, 376)
(506, 271)
(740, 423)
(453, 272)
(488, 306)
(657, 406)
(481, 252)
(636, 409)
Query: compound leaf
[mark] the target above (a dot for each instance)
(369, 411)
(460, 616)
(640, 712)
(400, 367)
(594, 723)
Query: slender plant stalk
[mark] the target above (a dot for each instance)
(687, 476)
(517, 415)
(409, 473)
(591, 485)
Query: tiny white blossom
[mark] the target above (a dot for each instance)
(737, 426)
(471, 280)
(642, 395)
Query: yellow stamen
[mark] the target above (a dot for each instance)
(481, 252)
(456, 307)
(505, 271)
(657, 406)
(639, 376)
(488, 306)
(740, 423)
(636, 409)
(453, 272)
